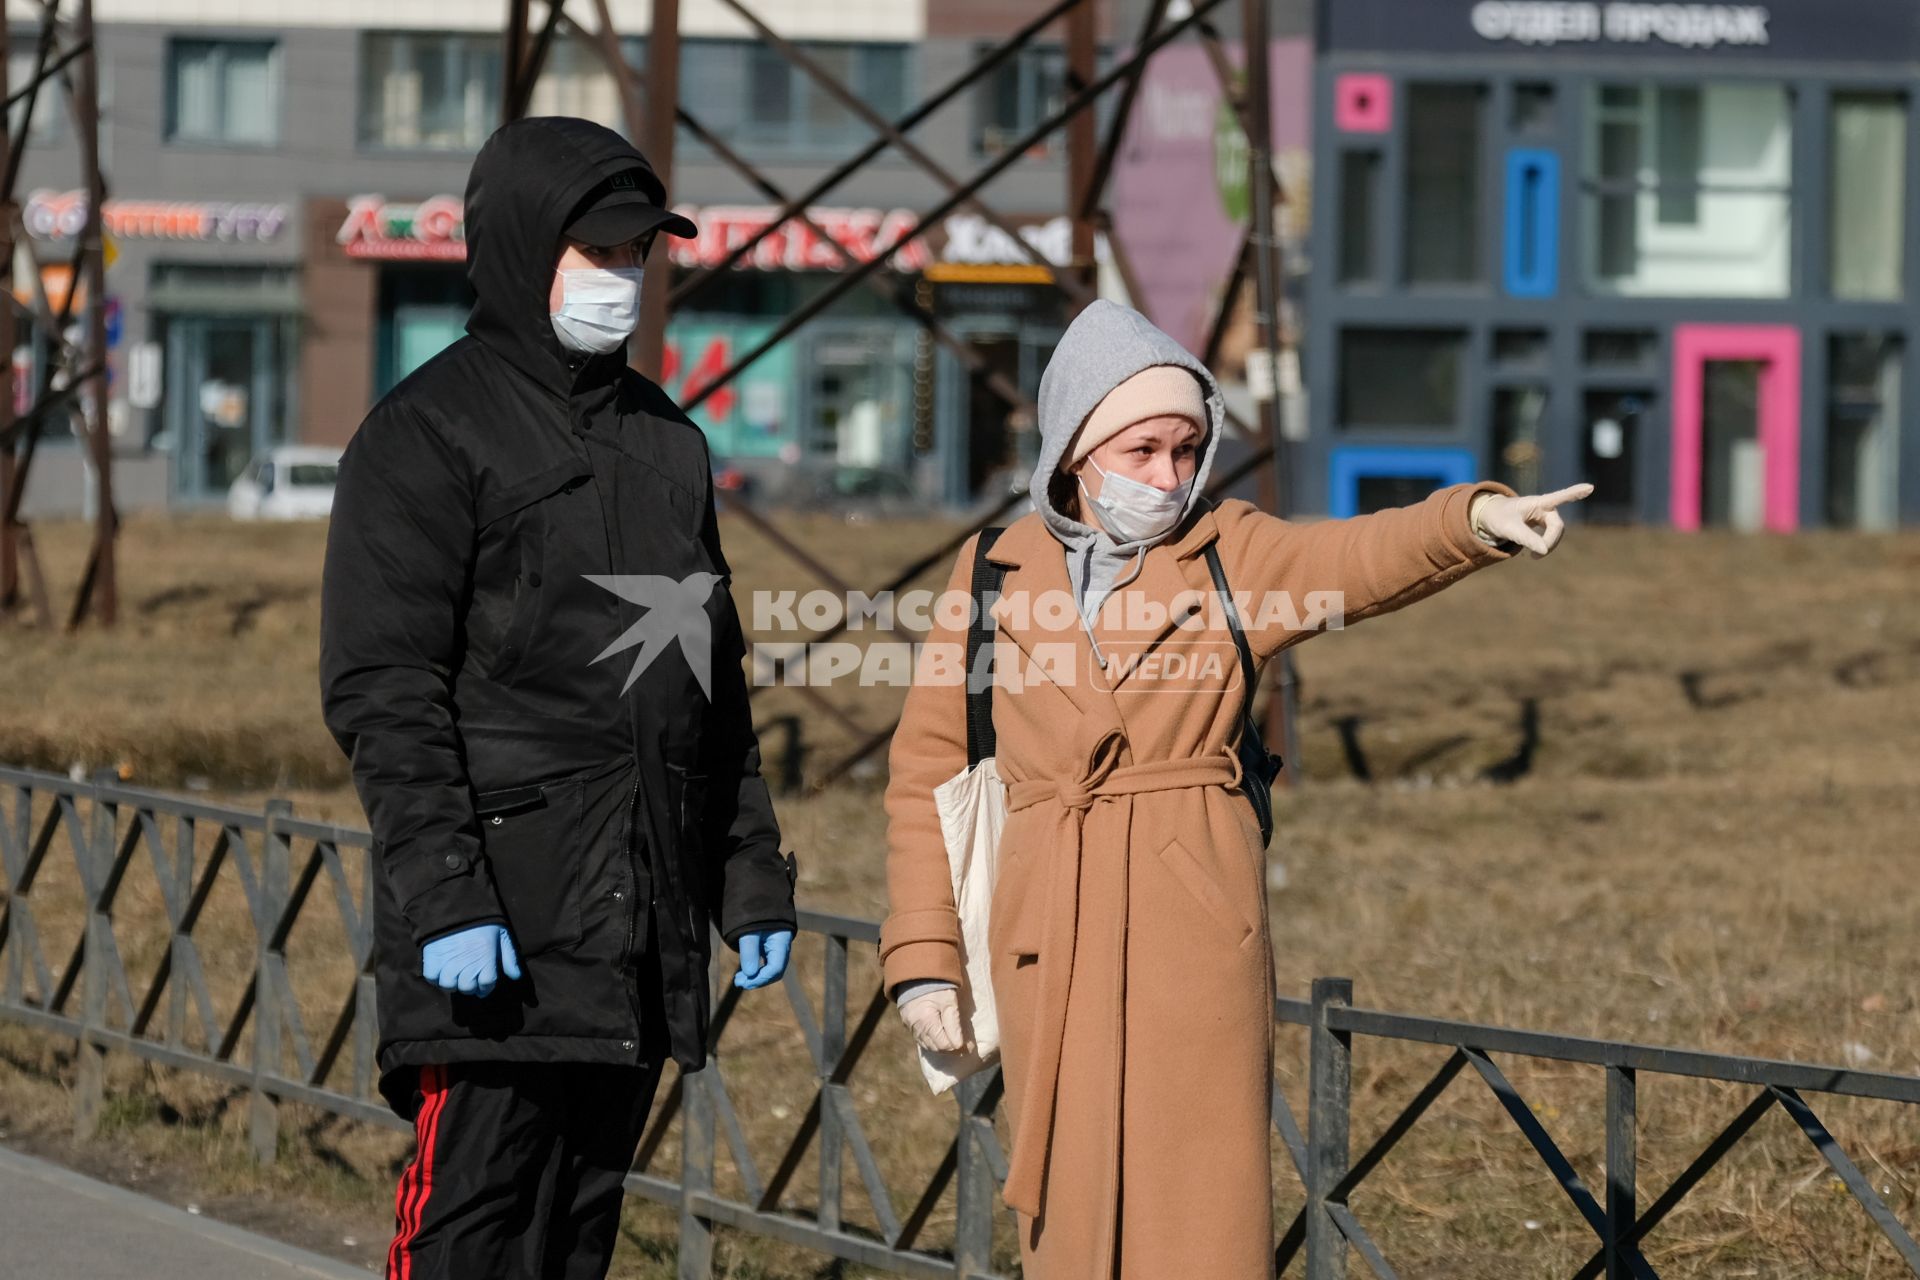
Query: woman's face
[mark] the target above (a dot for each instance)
(576, 255)
(1162, 452)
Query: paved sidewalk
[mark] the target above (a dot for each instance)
(56, 1223)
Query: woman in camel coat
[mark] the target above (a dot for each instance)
(1131, 958)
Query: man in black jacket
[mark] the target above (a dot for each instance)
(560, 814)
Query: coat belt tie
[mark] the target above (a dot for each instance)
(1102, 779)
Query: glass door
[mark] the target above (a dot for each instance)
(224, 401)
(1736, 426)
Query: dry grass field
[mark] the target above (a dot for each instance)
(1708, 805)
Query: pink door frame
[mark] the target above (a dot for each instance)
(1777, 348)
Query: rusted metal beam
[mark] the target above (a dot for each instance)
(1123, 113)
(656, 143)
(1082, 155)
(514, 57)
(628, 77)
(1075, 105)
(1075, 286)
(9, 544)
(99, 589)
(841, 172)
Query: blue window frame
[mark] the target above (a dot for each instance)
(1366, 478)
(1533, 223)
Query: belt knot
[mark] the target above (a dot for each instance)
(1073, 793)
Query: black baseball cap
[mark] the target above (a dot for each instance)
(627, 205)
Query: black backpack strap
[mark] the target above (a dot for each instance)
(987, 577)
(1233, 624)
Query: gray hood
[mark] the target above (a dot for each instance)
(1104, 346)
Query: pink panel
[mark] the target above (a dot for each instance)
(1777, 348)
(1363, 103)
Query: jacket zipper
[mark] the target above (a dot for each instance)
(628, 976)
(633, 895)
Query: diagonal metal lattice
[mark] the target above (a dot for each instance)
(247, 1027)
(1326, 1228)
(71, 386)
(652, 108)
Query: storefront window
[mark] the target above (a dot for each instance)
(422, 309)
(227, 334)
(749, 96)
(1443, 183)
(49, 108)
(1863, 431)
(1026, 89)
(1867, 213)
(1613, 425)
(1519, 417)
(1687, 190)
(1408, 378)
(431, 90)
(574, 81)
(1359, 212)
(223, 91)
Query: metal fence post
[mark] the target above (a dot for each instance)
(1329, 1100)
(1622, 1158)
(696, 1177)
(90, 1066)
(975, 1192)
(833, 1043)
(275, 883)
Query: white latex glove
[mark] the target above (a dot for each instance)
(1531, 521)
(934, 1019)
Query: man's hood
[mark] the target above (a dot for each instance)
(1104, 346)
(525, 184)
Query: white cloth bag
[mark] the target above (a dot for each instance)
(973, 811)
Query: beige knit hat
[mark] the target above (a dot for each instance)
(1156, 390)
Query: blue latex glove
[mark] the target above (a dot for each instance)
(763, 958)
(470, 960)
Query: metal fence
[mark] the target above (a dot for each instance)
(235, 1017)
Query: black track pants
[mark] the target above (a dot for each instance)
(518, 1170)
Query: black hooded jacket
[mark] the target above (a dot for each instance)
(506, 771)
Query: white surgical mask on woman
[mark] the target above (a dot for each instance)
(600, 307)
(1131, 510)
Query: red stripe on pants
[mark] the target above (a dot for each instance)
(409, 1205)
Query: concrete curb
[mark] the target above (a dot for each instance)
(122, 1204)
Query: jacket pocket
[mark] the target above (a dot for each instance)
(532, 838)
(1205, 890)
(1016, 919)
(515, 531)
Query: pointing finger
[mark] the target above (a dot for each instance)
(1572, 493)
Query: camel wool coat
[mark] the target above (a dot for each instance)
(1131, 955)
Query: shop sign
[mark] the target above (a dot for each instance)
(62, 215)
(1806, 29)
(860, 234)
(431, 230)
(1691, 26)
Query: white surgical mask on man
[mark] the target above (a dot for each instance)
(599, 308)
(1131, 510)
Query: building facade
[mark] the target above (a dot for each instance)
(285, 211)
(1671, 249)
